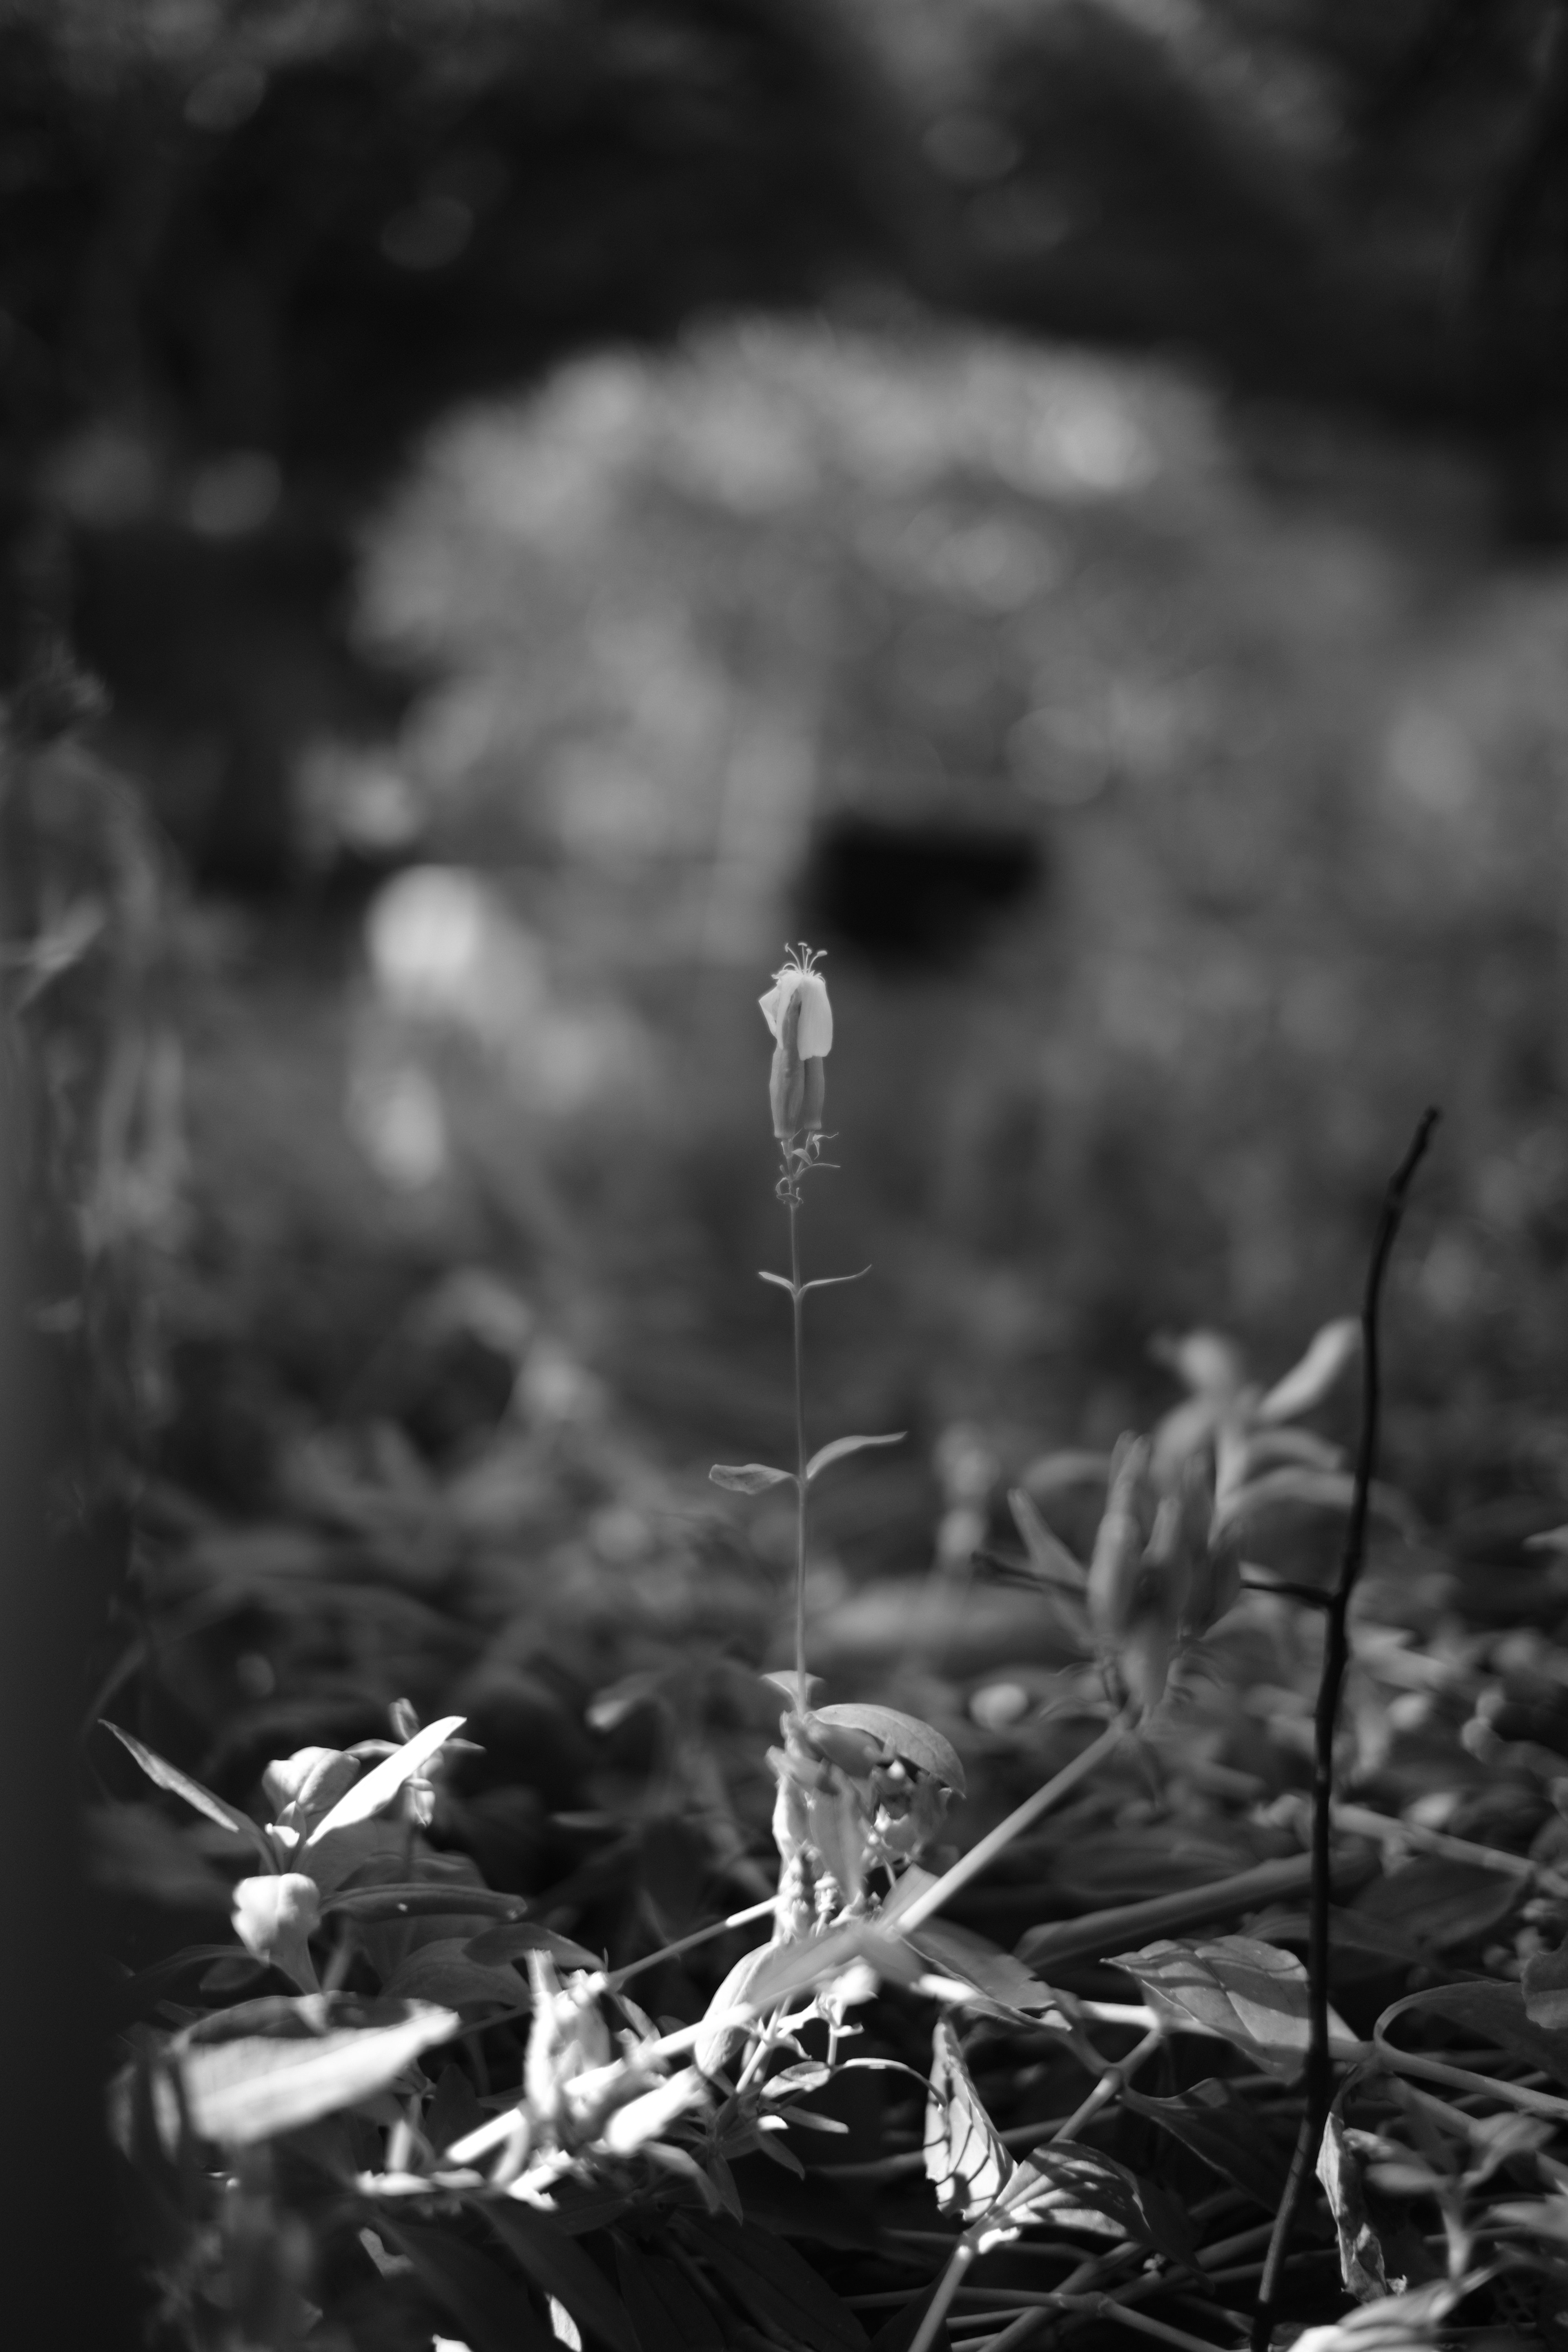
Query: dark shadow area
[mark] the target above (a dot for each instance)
(899, 894)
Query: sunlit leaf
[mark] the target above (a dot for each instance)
(378, 1786)
(966, 2160)
(779, 2287)
(904, 1736)
(1252, 1993)
(1002, 1984)
(249, 2086)
(840, 1447)
(166, 1775)
(1079, 2188)
(748, 1477)
(786, 1969)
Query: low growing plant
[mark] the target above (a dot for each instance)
(400, 2104)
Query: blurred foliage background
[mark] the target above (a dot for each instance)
(1061, 504)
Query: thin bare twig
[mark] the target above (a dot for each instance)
(1331, 1682)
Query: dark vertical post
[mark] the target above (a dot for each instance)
(58, 2274)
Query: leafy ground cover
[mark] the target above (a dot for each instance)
(498, 1952)
(507, 1947)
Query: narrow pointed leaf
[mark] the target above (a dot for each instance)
(420, 1899)
(1309, 1382)
(378, 1786)
(1048, 1556)
(492, 2310)
(1221, 2129)
(748, 1477)
(779, 2287)
(180, 1784)
(840, 1447)
(779, 1281)
(493, 1944)
(558, 2265)
(832, 1281)
(672, 2316)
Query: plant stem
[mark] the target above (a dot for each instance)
(952, 2279)
(969, 1865)
(1108, 2084)
(798, 1308)
(1331, 1682)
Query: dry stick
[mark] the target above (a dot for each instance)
(1331, 1681)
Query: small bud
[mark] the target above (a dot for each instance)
(275, 1917)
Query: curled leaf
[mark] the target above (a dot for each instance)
(901, 1736)
(839, 1447)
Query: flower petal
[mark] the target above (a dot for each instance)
(815, 1034)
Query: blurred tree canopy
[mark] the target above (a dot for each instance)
(248, 248)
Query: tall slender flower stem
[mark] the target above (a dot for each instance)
(798, 1308)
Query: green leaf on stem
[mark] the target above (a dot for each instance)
(1221, 2129)
(1048, 1556)
(1079, 2187)
(378, 1788)
(1309, 1382)
(748, 1477)
(1252, 1994)
(901, 1736)
(839, 1447)
(166, 1775)
(244, 2086)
